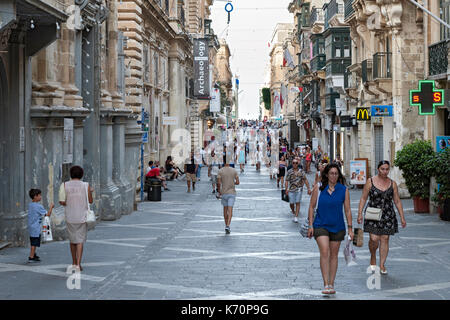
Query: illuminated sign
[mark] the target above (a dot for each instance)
(426, 98)
(382, 111)
(363, 114)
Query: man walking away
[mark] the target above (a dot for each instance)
(190, 169)
(226, 180)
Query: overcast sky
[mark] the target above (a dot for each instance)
(251, 28)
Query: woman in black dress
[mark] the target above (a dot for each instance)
(382, 193)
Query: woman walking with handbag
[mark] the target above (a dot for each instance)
(329, 228)
(74, 196)
(380, 220)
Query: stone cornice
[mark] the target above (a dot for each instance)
(58, 112)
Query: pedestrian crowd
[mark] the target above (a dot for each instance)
(257, 144)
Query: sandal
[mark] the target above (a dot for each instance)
(326, 291)
(331, 290)
(383, 271)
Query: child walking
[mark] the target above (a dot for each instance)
(35, 213)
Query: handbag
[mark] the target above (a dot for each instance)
(358, 238)
(373, 214)
(284, 196)
(90, 215)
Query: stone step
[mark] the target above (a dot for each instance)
(4, 244)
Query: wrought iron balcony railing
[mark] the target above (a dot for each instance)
(334, 8)
(438, 58)
(316, 16)
(348, 8)
(382, 65)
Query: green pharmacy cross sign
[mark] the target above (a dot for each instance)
(427, 98)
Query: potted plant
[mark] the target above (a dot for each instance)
(441, 171)
(416, 162)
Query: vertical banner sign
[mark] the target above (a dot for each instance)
(68, 141)
(201, 68)
(214, 105)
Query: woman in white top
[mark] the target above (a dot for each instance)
(73, 195)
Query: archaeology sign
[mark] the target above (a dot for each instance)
(201, 68)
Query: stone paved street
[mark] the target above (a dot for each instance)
(177, 249)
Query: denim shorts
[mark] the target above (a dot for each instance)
(228, 200)
(295, 197)
(35, 241)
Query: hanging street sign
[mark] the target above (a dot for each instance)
(427, 98)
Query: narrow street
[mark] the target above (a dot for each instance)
(177, 249)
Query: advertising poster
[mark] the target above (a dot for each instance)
(442, 142)
(358, 172)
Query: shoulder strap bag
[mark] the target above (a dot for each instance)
(374, 214)
(90, 215)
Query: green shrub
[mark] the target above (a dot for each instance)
(416, 162)
(441, 171)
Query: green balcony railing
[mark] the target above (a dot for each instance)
(438, 58)
(382, 65)
(330, 101)
(336, 67)
(318, 62)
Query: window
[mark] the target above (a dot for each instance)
(337, 52)
(347, 51)
(445, 15)
(337, 39)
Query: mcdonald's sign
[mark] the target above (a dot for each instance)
(363, 114)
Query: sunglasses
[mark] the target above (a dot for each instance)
(294, 162)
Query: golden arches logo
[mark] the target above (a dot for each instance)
(362, 114)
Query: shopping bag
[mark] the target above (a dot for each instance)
(304, 227)
(349, 253)
(284, 196)
(46, 230)
(358, 238)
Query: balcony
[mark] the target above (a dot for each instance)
(438, 60)
(318, 62)
(334, 8)
(336, 67)
(330, 101)
(348, 9)
(317, 16)
(302, 71)
(382, 65)
(366, 70)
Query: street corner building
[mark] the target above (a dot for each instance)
(75, 78)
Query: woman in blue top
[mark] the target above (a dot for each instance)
(329, 228)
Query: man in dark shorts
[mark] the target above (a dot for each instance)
(190, 168)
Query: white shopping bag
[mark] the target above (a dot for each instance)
(349, 253)
(46, 230)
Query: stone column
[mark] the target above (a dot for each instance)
(13, 223)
